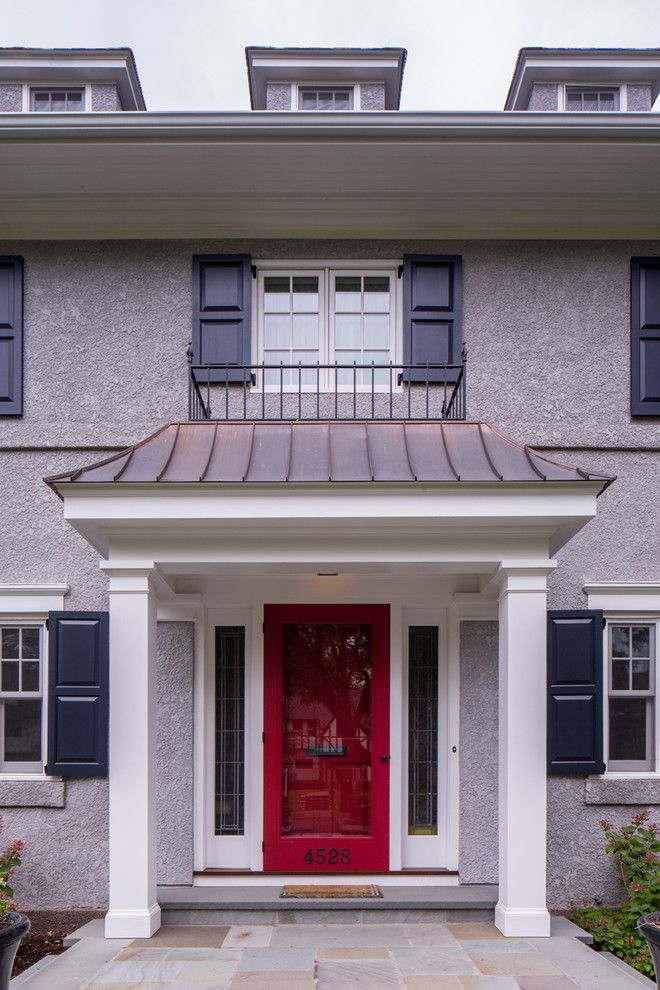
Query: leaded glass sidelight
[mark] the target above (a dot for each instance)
(229, 730)
(423, 730)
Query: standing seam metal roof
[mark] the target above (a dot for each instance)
(314, 452)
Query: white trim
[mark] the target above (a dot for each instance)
(25, 599)
(622, 88)
(86, 88)
(121, 923)
(627, 598)
(532, 923)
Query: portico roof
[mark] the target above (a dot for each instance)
(317, 452)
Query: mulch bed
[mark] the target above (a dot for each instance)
(45, 937)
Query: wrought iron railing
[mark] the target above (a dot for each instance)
(302, 391)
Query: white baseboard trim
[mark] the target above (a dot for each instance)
(522, 923)
(123, 923)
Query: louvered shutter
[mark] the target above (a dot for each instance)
(78, 673)
(432, 315)
(11, 336)
(222, 316)
(575, 693)
(645, 337)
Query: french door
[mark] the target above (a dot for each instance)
(326, 738)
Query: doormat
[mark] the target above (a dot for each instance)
(331, 890)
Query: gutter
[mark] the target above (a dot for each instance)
(296, 126)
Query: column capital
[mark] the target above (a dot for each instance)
(519, 578)
(136, 577)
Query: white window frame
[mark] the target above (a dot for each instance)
(11, 769)
(297, 86)
(621, 87)
(85, 87)
(622, 767)
(325, 270)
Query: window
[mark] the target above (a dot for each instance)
(57, 100)
(21, 693)
(325, 99)
(631, 696)
(423, 730)
(230, 730)
(592, 100)
(327, 316)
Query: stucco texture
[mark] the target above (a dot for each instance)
(639, 97)
(174, 777)
(105, 97)
(278, 96)
(544, 96)
(11, 98)
(478, 855)
(372, 96)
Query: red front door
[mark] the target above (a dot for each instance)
(326, 739)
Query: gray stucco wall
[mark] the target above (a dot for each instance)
(278, 96)
(105, 97)
(372, 96)
(478, 855)
(639, 97)
(174, 778)
(11, 98)
(544, 96)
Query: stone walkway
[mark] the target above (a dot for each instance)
(465, 956)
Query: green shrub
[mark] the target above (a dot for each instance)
(635, 849)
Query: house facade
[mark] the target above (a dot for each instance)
(329, 439)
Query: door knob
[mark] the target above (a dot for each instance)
(385, 757)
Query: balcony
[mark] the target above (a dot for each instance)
(338, 392)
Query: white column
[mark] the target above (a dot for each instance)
(133, 908)
(521, 910)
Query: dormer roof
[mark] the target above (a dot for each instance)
(602, 66)
(325, 65)
(76, 65)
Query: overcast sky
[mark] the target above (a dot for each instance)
(461, 53)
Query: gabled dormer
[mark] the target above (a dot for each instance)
(69, 80)
(325, 79)
(588, 80)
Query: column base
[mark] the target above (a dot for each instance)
(522, 923)
(132, 924)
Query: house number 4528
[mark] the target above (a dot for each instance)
(327, 857)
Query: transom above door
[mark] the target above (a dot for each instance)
(326, 738)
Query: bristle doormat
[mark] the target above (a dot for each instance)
(331, 890)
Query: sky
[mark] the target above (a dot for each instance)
(461, 53)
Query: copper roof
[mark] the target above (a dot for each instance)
(310, 452)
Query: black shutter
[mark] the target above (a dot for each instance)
(645, 337)
(222, 310)
(11, 336)
(432, 315)
(575, 693)
(78, 671)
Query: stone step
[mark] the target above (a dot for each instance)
(263, 905)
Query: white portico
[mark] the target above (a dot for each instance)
(267, 530)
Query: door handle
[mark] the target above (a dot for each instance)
(385, 757)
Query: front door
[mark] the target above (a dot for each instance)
(326, 739)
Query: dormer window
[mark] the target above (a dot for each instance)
(57, 100)
(592, 100)
(327, 98)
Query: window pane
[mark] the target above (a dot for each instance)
(607, 101)
(10, 675)
(341, 101)
(276, 294)
(306, 331)
(42, 101)
(381, 376)
(10, 641)
(22, 731)
(573, 101)
(309, 101)
(620, 641)
(276, 376)
(348, 332)
(641, 641)
(376, 294)
(628, 729)
(276, 331)
(229, 730)
(641, 675)
(376, 331)
(75, 101)
(620, 675)
(58, 102)
(348, 294)
(423, 731)
(306, 294)
(30, 675)
(30, 644)
(325, 101)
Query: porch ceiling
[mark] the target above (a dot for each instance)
(313, 453)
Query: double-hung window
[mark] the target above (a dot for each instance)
(631, 713)
(21, 697)
(342, 320)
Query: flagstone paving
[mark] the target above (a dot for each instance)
(461, 956)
